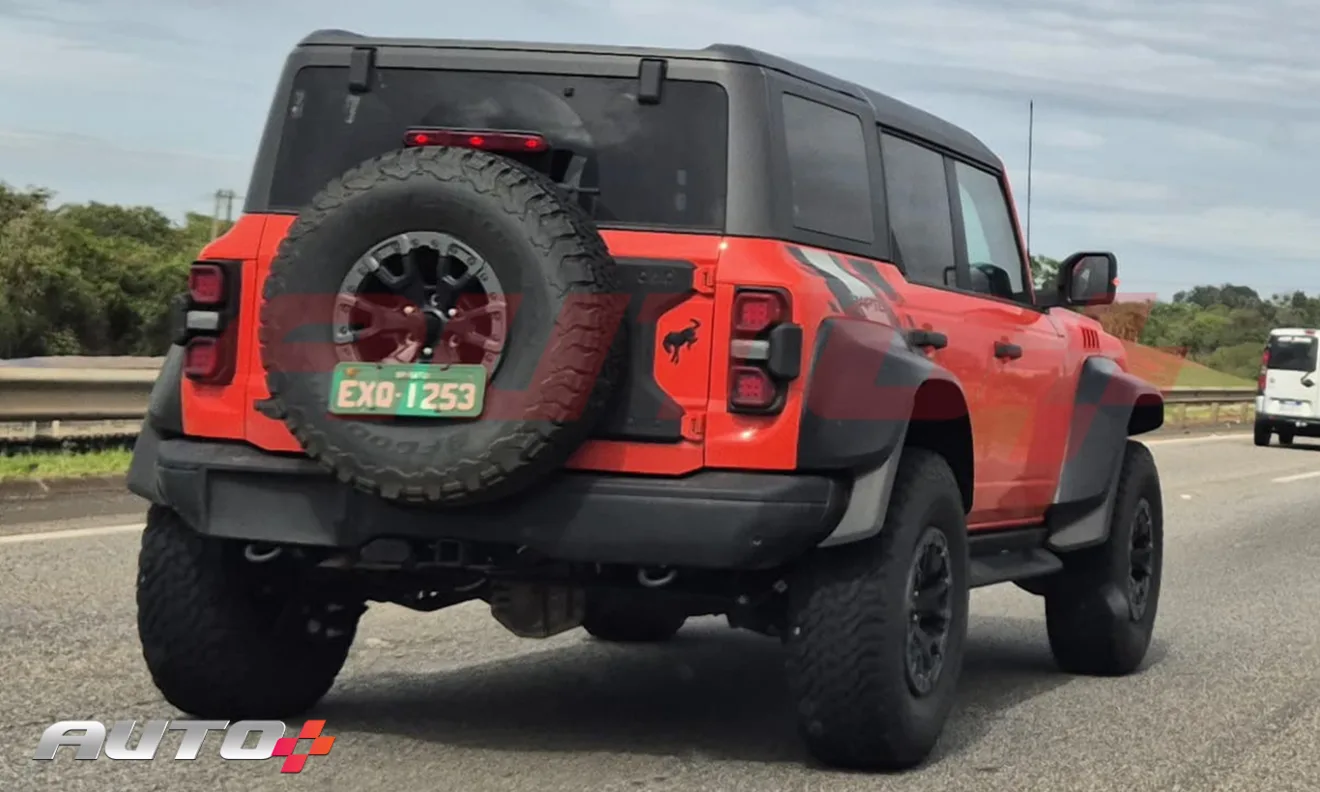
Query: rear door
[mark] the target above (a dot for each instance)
(1290, 375)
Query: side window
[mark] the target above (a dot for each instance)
(917, 191)
(828, 167)
(993, 259)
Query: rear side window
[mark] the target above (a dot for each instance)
(629, 164)
(917, 192)
(828, 166)
(1292, 353)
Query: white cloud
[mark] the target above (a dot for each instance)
(1096, 191)
(34, 60)
(1068, 137)
(1256, 234)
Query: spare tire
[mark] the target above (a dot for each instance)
(549, 332)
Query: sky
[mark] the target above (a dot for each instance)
(1181, 135)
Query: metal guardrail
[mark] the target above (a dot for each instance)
(113, 393)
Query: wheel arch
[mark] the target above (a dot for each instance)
(1110, 406)
(937, 420)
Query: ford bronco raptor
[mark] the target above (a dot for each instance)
(613, 337)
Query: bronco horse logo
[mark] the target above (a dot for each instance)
(675, 342)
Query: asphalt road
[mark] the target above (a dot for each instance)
(1229, 699)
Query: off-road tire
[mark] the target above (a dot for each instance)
(1261, 434)
(619, 618)
(1091, 626)
(212, 651)
(847, 630)
(562, 356)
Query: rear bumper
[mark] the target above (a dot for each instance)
(712, 519)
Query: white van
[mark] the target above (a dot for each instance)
(1287, 396)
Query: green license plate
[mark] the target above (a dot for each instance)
(408, 390)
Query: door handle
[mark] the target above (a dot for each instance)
(1007, 351)
(927, 339)
(1308, 382)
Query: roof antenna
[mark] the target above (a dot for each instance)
(1031, 128)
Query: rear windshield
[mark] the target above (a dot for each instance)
(630, 164)
(1292, 353)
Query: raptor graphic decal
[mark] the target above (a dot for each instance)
(856, 285)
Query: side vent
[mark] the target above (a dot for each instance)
(1090, 338)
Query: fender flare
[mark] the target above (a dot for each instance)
(1110, 406)
(164, 419)
(861, 406)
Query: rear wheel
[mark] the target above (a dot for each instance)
(1262, 434)
(876, 628)
(223, 639)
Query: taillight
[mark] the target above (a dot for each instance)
(486, 140)
(750, 388)
(206, 327)
(206, 284)
(765, 352)
(1264, 366)
(754, 311)
(202, 358)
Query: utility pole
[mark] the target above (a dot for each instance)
(223, 198)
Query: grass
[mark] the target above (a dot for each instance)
(1170, 371)
(64, 464)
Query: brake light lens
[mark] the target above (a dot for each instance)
(756, 311)
(202, 359)
(486, 140)
(1264, 365)
(206, 284)
(752, 389)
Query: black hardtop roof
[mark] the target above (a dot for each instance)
(888, 110)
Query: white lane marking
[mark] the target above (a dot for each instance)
(1204, 439)
(1296, 477)
(71, 533)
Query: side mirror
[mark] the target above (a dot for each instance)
(1088, 279)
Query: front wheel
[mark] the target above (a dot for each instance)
(876, 628)
(1100, 613)
(221, 639)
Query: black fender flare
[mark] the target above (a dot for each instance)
(164, 419)
(868, 392)
(1110, 406)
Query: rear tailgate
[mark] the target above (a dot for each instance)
(659, 167)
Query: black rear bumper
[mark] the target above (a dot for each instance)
(711, 519)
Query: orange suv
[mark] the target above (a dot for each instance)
(613, 337)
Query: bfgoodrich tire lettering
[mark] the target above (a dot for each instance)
(213, 649)
(1100, 615)
(562, 348)
(848, 635)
